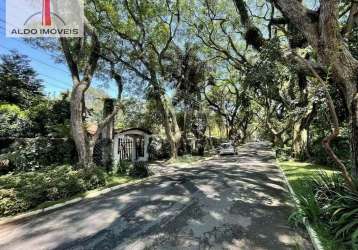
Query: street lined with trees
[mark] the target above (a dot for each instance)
(196, 73)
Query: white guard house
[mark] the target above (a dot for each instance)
(131, 144)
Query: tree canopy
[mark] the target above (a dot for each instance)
(19, 82)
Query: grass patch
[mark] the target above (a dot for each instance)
(114, 180)
(299, 175)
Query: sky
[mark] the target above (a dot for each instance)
(56, 77)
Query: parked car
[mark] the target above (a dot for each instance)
(227, 149)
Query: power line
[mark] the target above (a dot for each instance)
(53, 85)
(65, 85)
(22, 41)
(39, 61)
(50, 77)
(57, 83)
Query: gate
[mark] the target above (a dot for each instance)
(125, 148)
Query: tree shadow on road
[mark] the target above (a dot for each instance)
(222, 203)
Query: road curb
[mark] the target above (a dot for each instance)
(89, 196)
(316, 242)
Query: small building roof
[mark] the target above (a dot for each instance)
(132, 129)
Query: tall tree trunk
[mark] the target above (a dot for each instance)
(79, 133)
(170, 123)
(82, 74)
(335, 130)
(171, 126)
(354, 139)
(301, 134)
(343, 65)
(324, 35)
(300, 141)
(85, 142)
(232, 132)
(175, 131)
(185, 134)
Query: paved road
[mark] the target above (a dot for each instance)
(236, 202)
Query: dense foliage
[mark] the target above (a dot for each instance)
(326, 200)
(24, 191)
(33, 154)
(13, 121)
(19, 83)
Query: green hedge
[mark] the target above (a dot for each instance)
(134, 170)
(29, 154)
(13, 120)
(23, 191)
(340, 146)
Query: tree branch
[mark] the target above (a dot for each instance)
(95, 49)
(335, 131)
(352, 20)
(302, 18)
(253, 35)
(117, 107)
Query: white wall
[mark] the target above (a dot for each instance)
(128, 133)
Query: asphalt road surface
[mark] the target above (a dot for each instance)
(229, 202)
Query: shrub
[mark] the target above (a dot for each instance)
(51, 118)
(13, 121)
(283, 153)
(10, 204)
(36, 153)
(331, 202)
(122, 167)
(158, 148)
(93, 177)
(43, 117)
(326, 186)
(136, 170)
(139, 170)
(23, 191)
(340, 146)
(340, 205)
(344, 217)
(308, 207)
